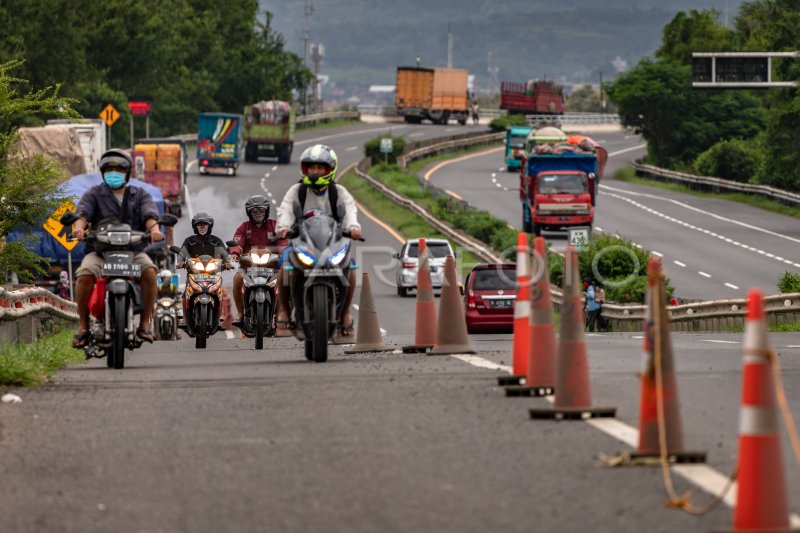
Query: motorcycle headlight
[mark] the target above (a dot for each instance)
(119, 238)
(199, 266)
(211, 267)
(338, 257)
(164, 303)
(304, 258)
(262, 259)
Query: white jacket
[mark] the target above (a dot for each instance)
(345, 204)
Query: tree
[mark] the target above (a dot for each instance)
(27, 185)
(697, 31)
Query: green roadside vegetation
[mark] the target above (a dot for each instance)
(628, 174)
(31, 364)
(336, 123)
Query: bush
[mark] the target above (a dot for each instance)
(789, 282)
(372, 149)
(733, 159)
(504, 122)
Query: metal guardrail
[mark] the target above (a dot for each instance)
(331, 115)
(448, 143)
(572, 118)
(716, 184)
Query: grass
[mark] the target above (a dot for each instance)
(628, 174)
(335, 123)
(31, 364)
(406, 223)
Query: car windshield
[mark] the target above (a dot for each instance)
(435, 250)
(517, 141)
(494, 279)
(562, 184)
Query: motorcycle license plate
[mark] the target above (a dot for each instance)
(260, 272)
(322, 272)
(205, 279)
(121, 269)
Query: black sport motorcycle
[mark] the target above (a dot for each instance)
(318, 281)
(117, 296)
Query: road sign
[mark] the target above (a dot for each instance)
(54, 227)
(139, 108)
(737, 70)
(579, 237)
(110, 115)
(386, 146)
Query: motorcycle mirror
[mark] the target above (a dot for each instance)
(68, 218)
(168, 219)
(174, 249)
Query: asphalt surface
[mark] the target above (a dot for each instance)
(711, 248)
(233, 439)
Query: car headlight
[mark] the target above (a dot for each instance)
(338, 257)
(304, 258)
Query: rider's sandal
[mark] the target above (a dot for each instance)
(346, 330)
(81, 339)
(145, 334)
(285, 324)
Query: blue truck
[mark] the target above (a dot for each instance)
(219, 143)
(516, 136)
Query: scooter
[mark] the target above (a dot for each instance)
(117, 296)
(166, 317)
(203, 294)
(318, 281)
(260, 277)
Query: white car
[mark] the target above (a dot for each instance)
(438, 250)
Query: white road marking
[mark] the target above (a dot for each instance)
(189, 203)
(229, 335)
(351, 149)
(383, 331)
(657, 254)
(704, 274)
(315, 140)
(191, 163)
(638, 337)
(598, 228)
(275, 168)
(626, 150)
(501, 169)
(480, 362)
(794, 346)
(500, 186)
(679, 263)
(732, 286)
(494, 176)
(418, 134)
(266, 175)
(719, 341)
(355, 306)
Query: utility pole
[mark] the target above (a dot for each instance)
(602, 95)
(309, 10)
(449, 46)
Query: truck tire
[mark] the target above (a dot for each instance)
(445, 118)
(527, 222)
(536, 229)
(462, 121)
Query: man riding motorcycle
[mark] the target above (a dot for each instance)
(167, 289)
(258, 231)
(115, 200)
(318, 165)
(201, 243)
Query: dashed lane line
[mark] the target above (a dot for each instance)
(732, 286)
(446, 162)
(703, 274)
(347, 134)
(680, 264)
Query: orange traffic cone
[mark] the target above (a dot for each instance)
(658, 351)
(522, 313)
(425, 334)
(573, 393)
(451, 337)
(541, 376)
(368, 330)
(761, 501)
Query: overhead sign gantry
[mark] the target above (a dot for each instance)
(737, 70)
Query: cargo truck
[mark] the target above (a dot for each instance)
(516, 137)
(532, 98)
(269, 131)
(92, 134)
(219, 141)
(559, 182)
(435, 94)
(162, 162)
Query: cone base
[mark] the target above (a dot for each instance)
(417, 348)
(529, 391)
(513, 379)
(683, 457)
(452, 350)
(370, 349)
(573, 413)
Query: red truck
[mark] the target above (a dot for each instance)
(532, 98)
(559, 182)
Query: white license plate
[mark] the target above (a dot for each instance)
(121, 269)
(322, 272)
(205, 279)
(502, 304)
(261, 271)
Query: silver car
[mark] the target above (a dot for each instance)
(438, 250)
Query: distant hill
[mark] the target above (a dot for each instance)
(570, 40)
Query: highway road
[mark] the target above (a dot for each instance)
(711, 248)
(233, 439)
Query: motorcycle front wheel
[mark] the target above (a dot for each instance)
(258, 318)
(319, 333)
(202, 327)
(116, 357)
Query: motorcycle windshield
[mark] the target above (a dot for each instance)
(318, 233)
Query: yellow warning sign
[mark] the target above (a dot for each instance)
(54, 227)
(109, 114)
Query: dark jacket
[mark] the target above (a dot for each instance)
(98, 204)
(195, 246)
(250, 236)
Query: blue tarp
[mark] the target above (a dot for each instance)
(45, 245)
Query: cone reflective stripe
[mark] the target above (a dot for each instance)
(648, 411)
(542, 351)
(425, 330)
(451, 337)
(761, 501)
(368, 329)
(522, 308)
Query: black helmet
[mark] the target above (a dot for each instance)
(256, 201)
(203, 218)
(117, 157)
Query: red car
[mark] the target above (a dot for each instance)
(489, 294)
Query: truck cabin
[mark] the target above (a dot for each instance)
(516, 138)
(566, 183)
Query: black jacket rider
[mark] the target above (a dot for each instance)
(195, 246)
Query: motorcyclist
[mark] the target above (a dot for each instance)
(318, 165)
(167, 289)
(203, 242)
(115, 200)
(258, 232)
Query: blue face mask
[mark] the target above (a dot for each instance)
(115, 180)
